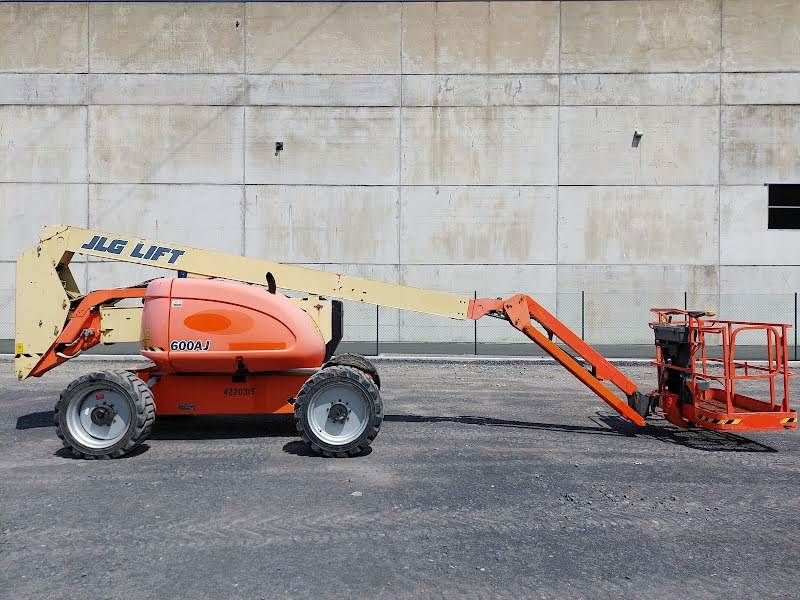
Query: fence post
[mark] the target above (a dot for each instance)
(583, 314)
(795, 325)
(377, 330)
(475, 327)
(685, 300)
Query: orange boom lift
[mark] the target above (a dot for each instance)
(223, 340)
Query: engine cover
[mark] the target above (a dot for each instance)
(216, 326)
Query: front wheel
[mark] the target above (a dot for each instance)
(105, 414)
(338, 411)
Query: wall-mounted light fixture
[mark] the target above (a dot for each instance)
(278, 148)
(637, 137)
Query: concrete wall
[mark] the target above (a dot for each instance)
(468, 146)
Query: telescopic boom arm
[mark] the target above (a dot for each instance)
(48, 303)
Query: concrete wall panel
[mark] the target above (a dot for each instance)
(186, 102)
(325, 37)
(659, 279)
(618, 298)
(167, 89)
(165, 144)
(760, 36)
(23, 88)
(656, 89)
(756, 280)
(324, 90)
(322, 224)
(744, 237)
(346, 146)
(478, 225)
(167, 37)
(759, 144)
(480, 90)
(637, 225)
(43, 144)
(43, 37)
(679, 145)
(204, 216)
(761, 88)
(489, 146)
(640, 36)
(480, 37)
(756, 293)
(26, 207)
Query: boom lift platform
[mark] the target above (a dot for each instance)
(694, 387)
(223, 340)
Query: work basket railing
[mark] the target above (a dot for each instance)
(722, 367)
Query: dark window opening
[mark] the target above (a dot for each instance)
(783, 206)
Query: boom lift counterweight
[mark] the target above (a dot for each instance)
(221, 347)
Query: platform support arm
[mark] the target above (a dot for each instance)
(85, 328)
(520, 309)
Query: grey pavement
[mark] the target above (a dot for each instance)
(495, 480)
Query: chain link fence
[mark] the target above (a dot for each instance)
(616, 323)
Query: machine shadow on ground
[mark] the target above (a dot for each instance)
(693, 437)
(270, 426)
(67, 453)
(697, 439)
(195, 427)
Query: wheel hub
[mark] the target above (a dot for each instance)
(99, 417)
(338, 413)
(103, 415)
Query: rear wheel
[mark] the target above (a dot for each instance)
(104, 414)
(357, 362)
(339, 411)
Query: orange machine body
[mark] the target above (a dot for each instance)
(217, 326)
(218, 347)
(221, 347)
(261, 394)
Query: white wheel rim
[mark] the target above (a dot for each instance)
(106, 403)
(325, 410)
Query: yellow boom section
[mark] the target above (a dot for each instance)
(45, 284)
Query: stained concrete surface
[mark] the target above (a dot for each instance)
(99, 102)
(480, 37)
(665, 36)
(44, 37)
(166, 37)
(487, 480)
(317, 37)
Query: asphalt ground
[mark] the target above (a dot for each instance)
(501, 480)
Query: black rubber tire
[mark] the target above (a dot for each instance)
(136, 393)
(357, 362)
(314, 384)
